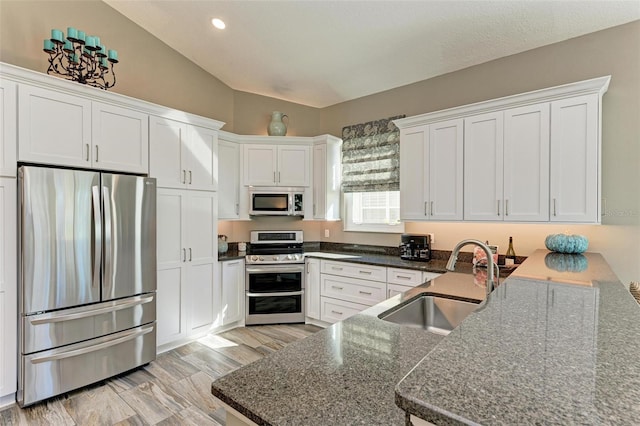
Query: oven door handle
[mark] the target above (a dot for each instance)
(284, 293)
(275, 269)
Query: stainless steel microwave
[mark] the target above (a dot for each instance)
(276, 202)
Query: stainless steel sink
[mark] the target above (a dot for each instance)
(435, 314)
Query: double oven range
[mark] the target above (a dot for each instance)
(275, 278)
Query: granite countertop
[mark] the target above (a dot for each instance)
(540, 351)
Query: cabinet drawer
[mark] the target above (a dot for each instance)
(366, 272)
(352, 289)
(406, 277)
(333, 310)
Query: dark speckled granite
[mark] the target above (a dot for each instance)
(540, 352)
(342, 375)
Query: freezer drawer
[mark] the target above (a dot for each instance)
(49, 373)
(54, 329)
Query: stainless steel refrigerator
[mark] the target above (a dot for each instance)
(87, 278)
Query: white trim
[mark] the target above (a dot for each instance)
(596, 85)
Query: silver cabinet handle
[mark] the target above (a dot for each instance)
(274, 177)
(190, 177)
(431, 208)
(190, 254)
(365, 272)
(498, 206)
(368, 293)
(425, 209)
(96, 153)
(314, 209)
(87, 146)
(403, 277)
(506, 207)
(336, 287)
(278, 177)
(237, 208)
(184, 254)
(554, 207)
(335, 268)
(336, 312)
(184, 176)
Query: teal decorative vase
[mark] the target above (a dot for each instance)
(277, 126)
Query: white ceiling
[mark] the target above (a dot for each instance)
(320, 53)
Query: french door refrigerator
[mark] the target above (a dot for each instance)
(87, 278)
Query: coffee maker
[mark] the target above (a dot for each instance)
(415, 247)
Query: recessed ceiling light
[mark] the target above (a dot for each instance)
(218, 23)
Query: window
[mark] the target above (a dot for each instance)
(373, 212)
(370, 176)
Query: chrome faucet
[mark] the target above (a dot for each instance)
(451, 264)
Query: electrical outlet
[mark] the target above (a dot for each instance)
(433, 237)
(326, 233)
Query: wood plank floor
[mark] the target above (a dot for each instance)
(173, 390)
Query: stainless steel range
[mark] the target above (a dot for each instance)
(275, 278)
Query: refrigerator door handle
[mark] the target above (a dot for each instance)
(129, 335)
(108, 235)
(97, 235)
(84, 313)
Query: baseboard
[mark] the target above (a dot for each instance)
(7, 401)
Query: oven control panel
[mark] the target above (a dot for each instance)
(275, 258)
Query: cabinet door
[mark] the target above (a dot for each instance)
(483, 165)
(8, 287)
(294, 166)
(120, 139)
(445, 161)
(202, 255)
(319, 180)
(53, 128)
(414, 161)
(166, 148)
(526, 163)
(172, 258)
(202, 158)
(232, 297)
(574, 160)
(260, 165)
(229, 181)
(8, 125)
(312, 288)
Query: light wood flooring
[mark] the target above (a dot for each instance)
(173, 390)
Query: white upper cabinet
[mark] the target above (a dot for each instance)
(120, 139)
(431, 171)
(483, 162)
(182, 155)
(229, 183)
(8, 123)
(526, 163)
(277, 165)
(575, 161)
(446, 144)
(531, 157)
(67, 130)
(54, 127)
(327, 175)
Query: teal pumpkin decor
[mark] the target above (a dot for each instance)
(563, 262)
(570, 244)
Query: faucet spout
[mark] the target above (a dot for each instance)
(451, 263)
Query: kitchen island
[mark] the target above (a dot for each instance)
(539, 351)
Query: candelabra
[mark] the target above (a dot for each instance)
(81, 58)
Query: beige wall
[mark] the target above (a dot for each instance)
(148, 68)
(152, 71)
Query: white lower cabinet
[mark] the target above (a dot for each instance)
(8, 287)
(312, 289)
(334, 310)
(231, 306)
(187, 255)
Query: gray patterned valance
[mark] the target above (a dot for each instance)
(371, 156)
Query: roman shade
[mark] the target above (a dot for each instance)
(371, 156)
